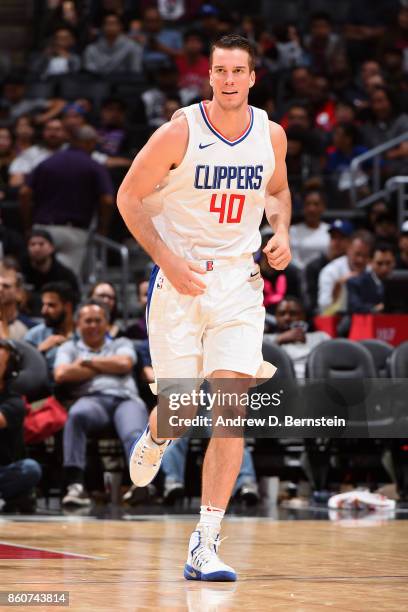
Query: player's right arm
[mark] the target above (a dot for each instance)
(164, 150)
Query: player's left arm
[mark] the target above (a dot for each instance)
(278, 205)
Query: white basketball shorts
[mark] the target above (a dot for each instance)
(222, 329)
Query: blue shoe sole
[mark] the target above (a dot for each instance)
(192, 574)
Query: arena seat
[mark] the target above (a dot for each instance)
(33, 381)
(399, 361)
(380, 352)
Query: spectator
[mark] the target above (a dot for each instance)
(106, 293)
(74, 116)
(24, 134)
(385, 229)
(365, 292)
(58, 301)
(41, 109)
(345, 112)
(333, 277)
(18, 476)
(53, 138)
(375, 210)
(298, 118)
(301, 85)
(277, 283)
(301, 161)
(58, 58)
(341, 79)
(165, 85)
(13, 324)
(98, 371)
(292, 334)
(138, 329)
(345, 149)
(209, 24)
(114, 52)
(289, 48)
(310, 237)
(339, 232)
(6, 158)
(385, 123)
(112, 128)
(160, 43)
(322, 44)
(62, 196)
(41, 267)
(192, 65)
(322, 103)
(402, 257)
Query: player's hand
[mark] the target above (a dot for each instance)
(277, 251)
(182, 275)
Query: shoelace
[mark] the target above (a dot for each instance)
(208, 548)
(150, 455)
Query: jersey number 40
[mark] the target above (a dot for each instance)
(230, 212)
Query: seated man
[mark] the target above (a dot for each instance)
(41, 267)
(365, 292)
(98, 371)
(292, 334)
(18, 476)
(333, 277)
(58, 301)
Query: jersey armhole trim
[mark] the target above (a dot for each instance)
(183, 162)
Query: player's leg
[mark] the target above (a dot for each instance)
(222, 464)
(232, 355)
(175, 333)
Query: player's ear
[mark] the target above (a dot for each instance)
(210, 77)
(252, 78)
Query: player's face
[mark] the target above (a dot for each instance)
(231, 77)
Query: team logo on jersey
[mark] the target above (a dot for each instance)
(204, 146)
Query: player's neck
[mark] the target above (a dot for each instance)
(231, 123)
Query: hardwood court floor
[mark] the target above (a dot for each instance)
(286, 565)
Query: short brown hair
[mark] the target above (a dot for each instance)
(235, 41)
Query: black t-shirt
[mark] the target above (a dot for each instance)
(11, 437)
(57, 272)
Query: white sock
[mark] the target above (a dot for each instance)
(211, 517)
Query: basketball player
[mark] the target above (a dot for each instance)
(219, 165)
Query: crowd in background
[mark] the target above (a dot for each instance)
(99, 78)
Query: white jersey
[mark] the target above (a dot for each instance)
(211, 205)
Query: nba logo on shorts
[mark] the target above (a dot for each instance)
(209, 266)
(159, 283)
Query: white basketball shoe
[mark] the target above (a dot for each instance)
(203, 562)
(145, 459)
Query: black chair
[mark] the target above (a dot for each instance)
(380, 352)
(32, 381)
(340, 358)
(339, 370)
(398, 365)
(399, 361)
